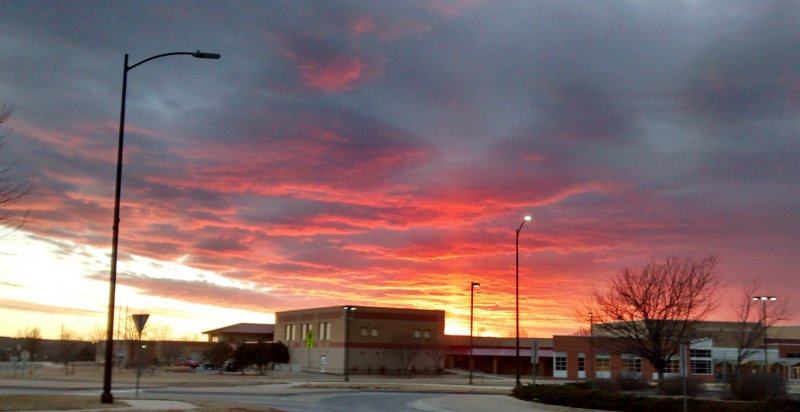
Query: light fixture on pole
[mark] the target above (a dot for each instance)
(106, 396)
(526, 219)
(472, 287)
(591, 345)
(348, 314)
(764, 300)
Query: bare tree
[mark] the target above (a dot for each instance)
(751, 323)
(10, 192)
(97, 334)
(585, 331)
(158, 332)
(31, 340)
(437, 356)
(67, 348)
(405, 354)
(651, 311)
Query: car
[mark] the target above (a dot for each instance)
(230, 366)
(188, 363)
(211, 366)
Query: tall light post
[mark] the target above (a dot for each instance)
(764, 300)
(348, 314)
(472, 287)
(591, 345)
(106, 396)
(526, 219)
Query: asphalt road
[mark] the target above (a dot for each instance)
(325, 401)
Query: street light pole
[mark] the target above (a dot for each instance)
(348, 310)
(106, 396)
(764, 300)
(472, 287)
(591, 346)
(526, 219)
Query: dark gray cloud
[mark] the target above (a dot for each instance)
(336, 140)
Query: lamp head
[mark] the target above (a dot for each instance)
(202, 55)
(476, 285)
(527, 218)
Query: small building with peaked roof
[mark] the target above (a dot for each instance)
(242, 333)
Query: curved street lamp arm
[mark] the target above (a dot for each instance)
(520, 226)
(198, 54)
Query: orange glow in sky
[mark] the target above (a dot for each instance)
(383, 154)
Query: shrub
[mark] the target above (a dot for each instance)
(630, 382)
(580, 395)
(673, 386)
(756, 386)
(604, 385)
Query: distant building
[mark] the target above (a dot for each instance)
(128, 353)
(242, 333)
(711, 356)
(498, 355)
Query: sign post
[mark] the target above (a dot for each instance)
(684, 375)
(139, 319)
(534, 361)
(309, 345)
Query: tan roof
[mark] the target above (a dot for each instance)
(784, 332)
(245, 328)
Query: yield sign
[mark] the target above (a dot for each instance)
(139, 320)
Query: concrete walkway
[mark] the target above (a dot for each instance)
(145, 405)
(481, 403)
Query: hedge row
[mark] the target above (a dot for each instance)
(581, 395)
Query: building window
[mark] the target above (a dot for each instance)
(374, 331)
(603, 363)
(303, 330)
(287, 333)
(581, 363)
(701, 367)
(700, 363)
(561, 363)
(321, 332)
(631, 364)
(602, 366)
(417, 333)
(673, 366)
(325, 330)
(700, 353)
(426, 334)
(364, 332)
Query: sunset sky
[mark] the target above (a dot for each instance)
(383, 153)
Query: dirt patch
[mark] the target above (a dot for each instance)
(78, 402)
(53, 402)
(216, 406)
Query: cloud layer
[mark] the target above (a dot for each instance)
(383, 153)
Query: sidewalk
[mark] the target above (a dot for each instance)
(482, 403)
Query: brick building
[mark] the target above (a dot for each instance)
(380, 340)
(711, 355)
